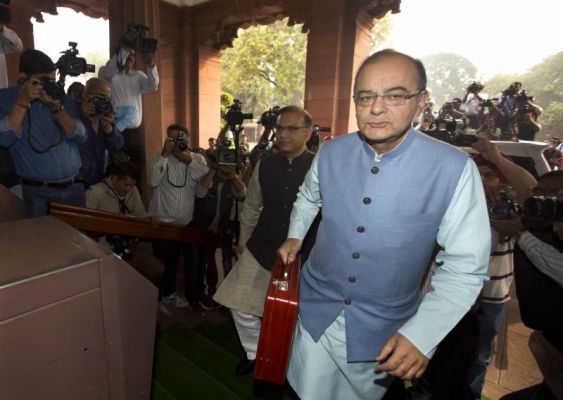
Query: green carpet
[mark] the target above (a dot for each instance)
(198, 364)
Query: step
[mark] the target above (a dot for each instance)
(176, 377)
(209, 356)
(223, 334)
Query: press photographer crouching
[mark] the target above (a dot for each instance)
(40, 126)
(98, 116)
(524, 120)
(538, 265)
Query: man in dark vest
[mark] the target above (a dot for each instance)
(264, 222)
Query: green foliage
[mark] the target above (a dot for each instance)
(448, 75)
(381, 29)
(226, 100)
(544, 80)
(552, 120)
(499, 83)
(266, 66)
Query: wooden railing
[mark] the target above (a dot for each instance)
(99, 223)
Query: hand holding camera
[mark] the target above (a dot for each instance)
(107, 122)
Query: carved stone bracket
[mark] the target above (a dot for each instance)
(91, 8)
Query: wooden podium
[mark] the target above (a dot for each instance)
(76, 322)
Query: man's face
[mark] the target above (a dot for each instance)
(291, 133)
(383, 124)
(123, 185)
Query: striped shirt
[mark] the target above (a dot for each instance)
(545, 257)
(501, 271)
(174, 185)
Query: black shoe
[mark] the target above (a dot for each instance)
(196, 308)
(208, 303)
(245, 366)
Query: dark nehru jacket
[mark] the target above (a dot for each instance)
(279, 182)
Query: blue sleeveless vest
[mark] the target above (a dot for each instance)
(376, 237)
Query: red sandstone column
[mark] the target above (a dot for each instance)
(208, 93)
(339, 39)
(146, 12)
(21, 24)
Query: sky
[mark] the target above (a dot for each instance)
(496, 35)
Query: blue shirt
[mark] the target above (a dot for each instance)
(41, 151)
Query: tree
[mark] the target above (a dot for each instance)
(552, 120)
(266, 66)
(448, 75)
(380, 32)
(544, 80)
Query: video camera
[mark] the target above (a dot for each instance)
(5, 12)
(141, 43)
(235, 117)
(270, 117)
(70, 64)
(224, 154)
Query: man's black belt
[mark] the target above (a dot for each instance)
(57, 185)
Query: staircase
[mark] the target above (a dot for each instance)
(199, 363)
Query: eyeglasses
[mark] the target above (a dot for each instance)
(367, 99)
(289, 129)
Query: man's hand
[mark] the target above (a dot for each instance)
(400, 358)
(184, 156)
(31, 90)
(239, 250)
(227, 171)
(289, 249)
(108, 122)
(488, 150)
(169, 145)
(149, 60)
(508, 227)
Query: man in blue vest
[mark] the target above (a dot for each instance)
(362, 318)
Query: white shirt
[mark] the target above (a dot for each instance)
(545, 257)
(9, 43)
(174, 185)
(127, 88)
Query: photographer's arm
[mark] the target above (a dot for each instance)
(149, 83)
(10, 42)
(66, 116)
(114, 64)
(546, 258)
(14, 119)
(518, 177)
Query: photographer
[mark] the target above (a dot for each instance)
(507, 103)
(9, 42)
(452, 110)
(538, 264)
(473, 104)
(98, 117)
(524, 120)
(40, 126)
(174, 176)
(128, 85)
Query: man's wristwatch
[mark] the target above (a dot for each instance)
(58, 109)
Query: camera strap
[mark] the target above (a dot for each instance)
(172, 183)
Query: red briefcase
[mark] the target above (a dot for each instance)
(278, 322)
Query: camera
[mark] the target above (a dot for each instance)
(181, 142)
(54, 90)
(541, 211)
(120, 246)
(102, 105)
(503, 208)
(475, 87)
(141, 43)
(269, 117)
(5, 12)
(70, 64)
(224, 154)
(235, 116)
(445, 130)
